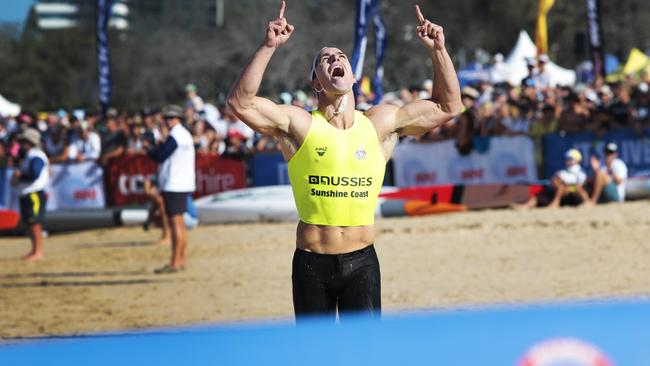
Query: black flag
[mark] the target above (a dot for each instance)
(596, 37)
(104, 8)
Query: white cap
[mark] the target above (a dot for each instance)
(643, 87)
(611, 147)
(591, 96)
(605, 89)
(312, 72)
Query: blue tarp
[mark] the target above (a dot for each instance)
(462, 337)
(269, 169)
(472, 74)
(634, 149)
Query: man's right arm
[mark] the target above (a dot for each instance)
(261, 114)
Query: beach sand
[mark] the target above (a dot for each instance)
(103, 281)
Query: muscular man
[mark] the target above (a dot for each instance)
(336, 159)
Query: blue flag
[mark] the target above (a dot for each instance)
(104, 8)
(368, 10)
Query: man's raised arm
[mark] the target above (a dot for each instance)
(261, 114)
(424, 115)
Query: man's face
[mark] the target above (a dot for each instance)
(333, 72)
(609, 157)
(570, 163)
(171, 122)
(111, 125)
(23, 147)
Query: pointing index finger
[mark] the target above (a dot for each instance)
(282, 7)
(419, 14)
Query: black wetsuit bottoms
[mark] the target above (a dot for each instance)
(323, 282)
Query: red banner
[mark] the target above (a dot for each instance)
(215, 174)
(125, 177)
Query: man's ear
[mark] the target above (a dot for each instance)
(316, 85)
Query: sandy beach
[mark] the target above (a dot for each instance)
(102, 280)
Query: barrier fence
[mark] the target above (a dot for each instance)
(506, 160)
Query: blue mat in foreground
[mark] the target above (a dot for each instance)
(614, 333)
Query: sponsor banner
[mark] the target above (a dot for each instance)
(5, 188)
(215, 174)
(71, 186)
(76, 185)
(269, 169)
(509, 160)
(633, 149)
(125, 177)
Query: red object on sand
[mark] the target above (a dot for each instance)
(8, 219)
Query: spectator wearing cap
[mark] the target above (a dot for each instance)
(114, 141)
(30, 180)
(610, 178)
(542, 77)
(466, 122)
(194, 101)
(642, 108)
(529, 80)
(569, 182)
(88, 146)
(236, 147)
(567, 185)
(176, 181)
(498, 69)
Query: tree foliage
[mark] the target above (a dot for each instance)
(159, 55)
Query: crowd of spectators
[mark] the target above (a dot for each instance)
(534, 109)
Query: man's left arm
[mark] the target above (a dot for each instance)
(422, 116)
(160, 154)
(618, 173)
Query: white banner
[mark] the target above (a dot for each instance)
(74, 185)
(77, 185)
(508, 160)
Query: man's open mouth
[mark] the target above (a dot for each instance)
(338, 72)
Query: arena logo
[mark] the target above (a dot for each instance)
(133, 184)
(426, 177)
(516, 171)
(85, 194)
(340, 181)
(213, 182)
(566, 352)
(472, 174)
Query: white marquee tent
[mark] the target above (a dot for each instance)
(7, 108)
(514, 69)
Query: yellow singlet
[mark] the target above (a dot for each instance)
(336, 175)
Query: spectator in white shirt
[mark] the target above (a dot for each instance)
(609, 179)
(87, 147)
(543, 77)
